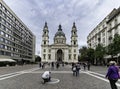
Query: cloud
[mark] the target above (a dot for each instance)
(86, 13)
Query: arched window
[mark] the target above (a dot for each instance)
(44, 42)
(74, 43)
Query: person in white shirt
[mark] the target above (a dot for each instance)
(46, 76)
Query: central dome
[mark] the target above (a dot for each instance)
(60, 32)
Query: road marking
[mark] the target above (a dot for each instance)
(99, 74)
(65, 72)
(6, 76)
(106, 80)
(9, 76)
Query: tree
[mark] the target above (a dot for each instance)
(114, 48)
(83, 53)
(99, 53)
(38, 59)
(116, 42)
(90, 54)
(111, 50)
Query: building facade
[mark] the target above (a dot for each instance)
(16, 40)
(104, 32)
(59, 50)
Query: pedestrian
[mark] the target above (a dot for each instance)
(73, 64)
(40, 65)
(62, 64)
(52, 65)
(74, 70)
(57, 65)
(46, 76)
(43, 65)
(88, 65)
(84, 66)
(113, 74)
(77, 69)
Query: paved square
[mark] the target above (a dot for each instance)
(31, 79)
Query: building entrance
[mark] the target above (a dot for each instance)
(59, 55)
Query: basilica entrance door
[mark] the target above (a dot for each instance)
(59, 55)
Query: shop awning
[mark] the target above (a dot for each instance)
(107, 56)
(7, 60)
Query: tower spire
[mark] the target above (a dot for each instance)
(45, 25)
(60, 28)
(74, 25)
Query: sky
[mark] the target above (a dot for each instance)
(87, 14)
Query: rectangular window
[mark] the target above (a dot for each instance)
(44, 56)
(2, 39)
(103, 33)
(69, 56)
(69, 51)
(4, 15)
(103, 40)
(49, 50)
(2, 46)
(49, 56)
(75, 56)
(2, 33)
(3, 21)
(110, 26)
(74, 50)
(103, 26)
(116, 22)
(5, 47)
(3, 8)
(6, 41)
(2, 53)
(44, 50)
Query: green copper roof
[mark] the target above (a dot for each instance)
(60, 32)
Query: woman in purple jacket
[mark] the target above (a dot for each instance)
(113, 74)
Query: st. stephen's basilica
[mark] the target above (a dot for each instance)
(59, 50)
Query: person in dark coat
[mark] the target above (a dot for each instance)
(88, 65)
(40, 65)
(84, 66)
(52, 65)
(113, 74)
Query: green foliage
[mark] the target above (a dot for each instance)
(116, 42)
(87, 54)
(114, 47)
(38, 59)
(99, 51)
(83, 52)
(90, 54)
(99, 54)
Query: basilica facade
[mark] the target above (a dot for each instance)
(59, 51)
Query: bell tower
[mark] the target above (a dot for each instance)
(45, 36)
(74, 43)
(45, 43)
(74, 36)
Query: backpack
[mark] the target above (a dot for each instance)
(74, 68)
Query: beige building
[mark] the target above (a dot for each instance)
(16, 40)
(59, 50)
(104, 32)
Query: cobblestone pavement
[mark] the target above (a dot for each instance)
(31, 78)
